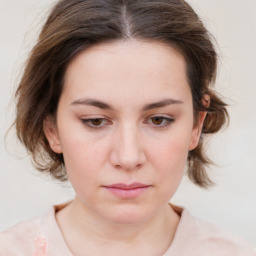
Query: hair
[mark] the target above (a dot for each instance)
(75, 25)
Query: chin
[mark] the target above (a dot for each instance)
(129, 215)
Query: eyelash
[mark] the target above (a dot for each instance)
(88, 122)
(167, 121)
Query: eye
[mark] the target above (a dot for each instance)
(160, 121)
(157, 120)
(96, 122)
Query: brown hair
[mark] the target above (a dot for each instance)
(74, 25)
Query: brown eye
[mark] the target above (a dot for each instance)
(96, 122)
(157, 120)
(160, 121)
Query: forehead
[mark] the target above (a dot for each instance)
(124, 69)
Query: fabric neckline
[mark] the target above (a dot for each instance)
(54, 235)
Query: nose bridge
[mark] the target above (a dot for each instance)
(127, 150)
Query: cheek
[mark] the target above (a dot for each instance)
(169, 159)
(172, 150)
(83, 160)
(173, 159)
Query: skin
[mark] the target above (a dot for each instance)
(124, 144)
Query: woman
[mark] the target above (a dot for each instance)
(116, 98)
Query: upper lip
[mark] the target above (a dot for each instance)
(128, 186)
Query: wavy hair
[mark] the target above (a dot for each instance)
(74, 25)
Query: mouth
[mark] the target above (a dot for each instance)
(127, 191)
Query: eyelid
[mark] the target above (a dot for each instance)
(86, 122)
(168, 120)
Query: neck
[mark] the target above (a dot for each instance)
(100, 233)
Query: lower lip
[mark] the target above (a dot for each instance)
(127, 193)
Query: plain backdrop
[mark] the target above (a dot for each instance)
(231, 204)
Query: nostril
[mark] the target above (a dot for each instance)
(127, 160)
(127, 152)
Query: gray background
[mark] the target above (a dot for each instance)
(231, 204)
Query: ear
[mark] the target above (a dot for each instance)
(197, 129)
(52, 134)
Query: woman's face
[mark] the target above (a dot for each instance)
(125, 126)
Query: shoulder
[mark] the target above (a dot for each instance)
(19, 239)
(202, 238)
(37, 236)
(217, 240)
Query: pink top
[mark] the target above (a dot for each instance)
(41, 236)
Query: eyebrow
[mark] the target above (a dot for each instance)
(103, 105)
(162, 103)
(92, 102)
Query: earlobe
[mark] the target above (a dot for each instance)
(197, 129)
(196, 132)
(52, 135)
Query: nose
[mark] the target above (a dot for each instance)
(127, 152)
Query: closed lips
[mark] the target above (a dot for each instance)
(126, 186)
